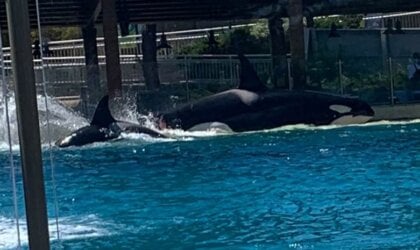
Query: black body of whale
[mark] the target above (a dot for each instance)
(103, 127)
(254, 107)
(243, 110)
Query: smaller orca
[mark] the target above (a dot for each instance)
(103, 127)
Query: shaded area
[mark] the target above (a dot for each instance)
(74, 12)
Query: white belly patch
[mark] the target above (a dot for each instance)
(217, 126)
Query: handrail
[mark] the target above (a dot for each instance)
(55, 45)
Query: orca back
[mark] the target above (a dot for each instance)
(102, 117)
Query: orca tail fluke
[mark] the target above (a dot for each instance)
(102, 116)
(249, 79)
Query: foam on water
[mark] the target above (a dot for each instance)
(173, 135)
(328, 127)
(4, 146)
(144, 137)
(181, 133)
(71, 228)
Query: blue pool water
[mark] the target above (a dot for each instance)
(296, 188)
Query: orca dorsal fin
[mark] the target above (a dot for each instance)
(102, 117)
(248, 78)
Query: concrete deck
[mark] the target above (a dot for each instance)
(397, 112)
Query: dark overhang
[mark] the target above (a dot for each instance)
(78, 12)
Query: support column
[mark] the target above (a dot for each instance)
(150, 67)
(297, 43)
(278, 52)
(28, 123)
(94, 90)
(112, 53)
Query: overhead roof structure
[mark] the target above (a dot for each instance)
(77, 12)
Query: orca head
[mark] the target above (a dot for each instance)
(86, 135)
(350, 111)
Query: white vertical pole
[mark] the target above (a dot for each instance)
(9, 138)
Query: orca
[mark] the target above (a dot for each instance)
(252, 106)
(104, 127)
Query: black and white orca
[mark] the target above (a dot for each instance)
(104, 127)
(253, 107)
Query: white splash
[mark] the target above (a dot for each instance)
(144, 137)
(178, 133)
(173, 135)
(61, 120)
(71, 228)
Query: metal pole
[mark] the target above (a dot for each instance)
(28, 123)
(9, 138)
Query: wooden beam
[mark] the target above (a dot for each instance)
(297, 44)
(94, 8)
(278, 52)
(148, 47)
(94, 91)
(28, 123)
(112, 54)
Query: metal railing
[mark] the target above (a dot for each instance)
(131, 45)
(376, 80)
(66, 75)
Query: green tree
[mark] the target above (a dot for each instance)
(251, 40)
(345, 21)
(58, 33)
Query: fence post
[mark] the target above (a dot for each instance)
(231, 70)
(186, 78)
(391, 80)
(289, 72)
(340, 76)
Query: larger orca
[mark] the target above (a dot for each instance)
(103, 127)
(253, 107)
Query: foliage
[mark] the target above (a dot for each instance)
(323, 73)
(58, 33)
(346, 21)
(50, 34)
(251, 40)
(362, 77)
(196, 48)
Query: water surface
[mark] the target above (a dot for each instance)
(294, 188)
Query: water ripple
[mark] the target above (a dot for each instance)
(332, 188)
